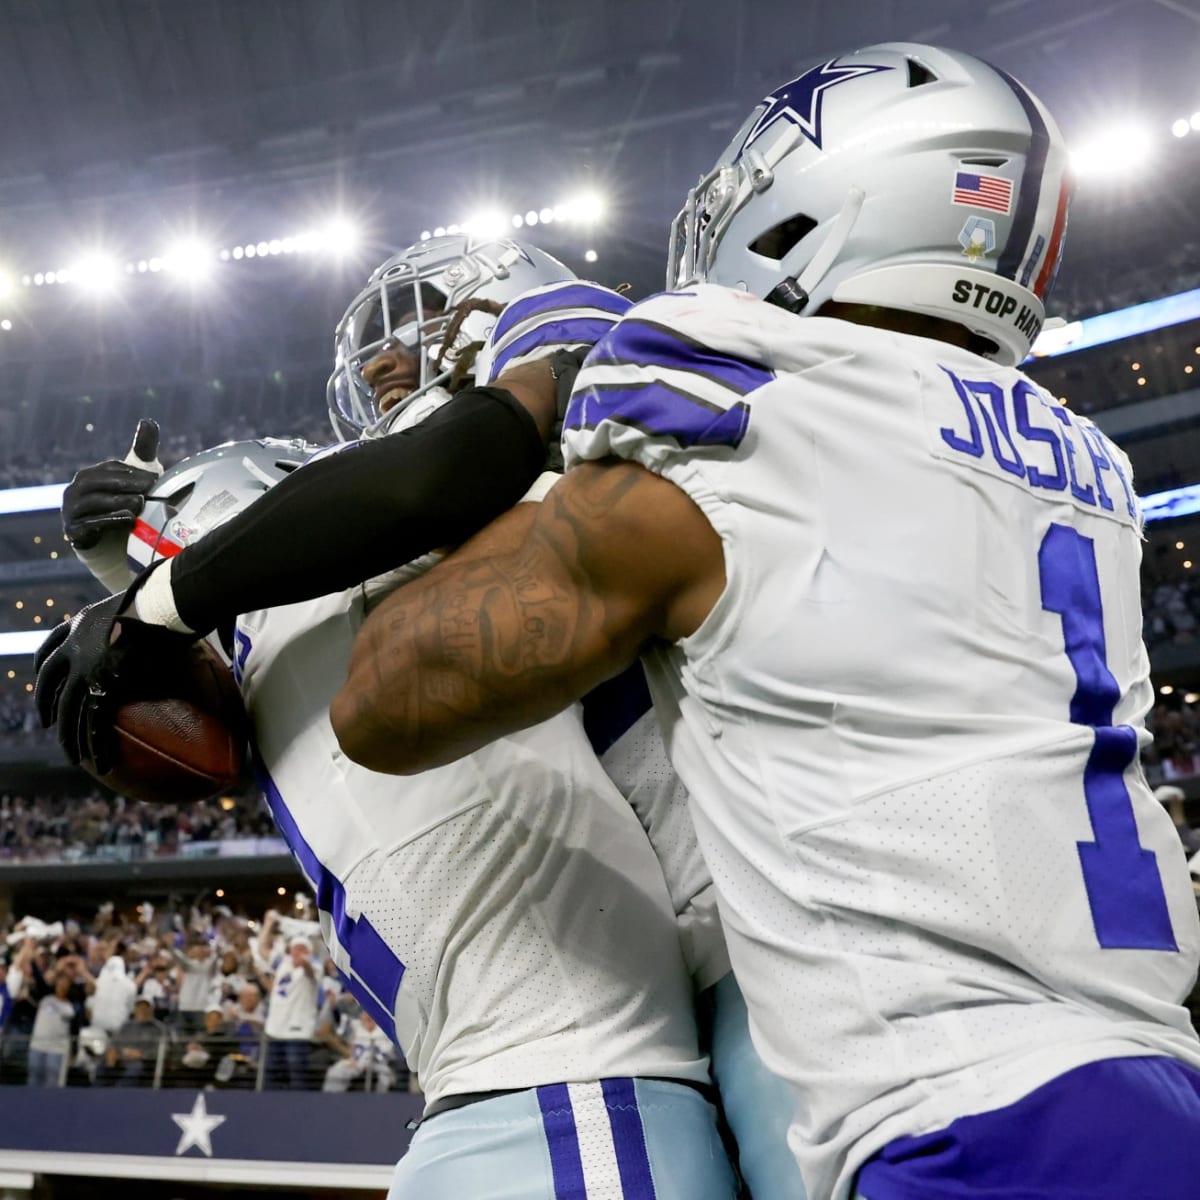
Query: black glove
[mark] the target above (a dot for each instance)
(87, 666)
(107, 497)
(564, 366)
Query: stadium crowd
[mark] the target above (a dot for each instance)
(1170, 612)
(57, 826)
(1175, 754)
(162, 999)
(58, 464)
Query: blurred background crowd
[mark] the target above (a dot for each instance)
(201, 997)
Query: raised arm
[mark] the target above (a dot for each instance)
(488, 643)
(366, 509)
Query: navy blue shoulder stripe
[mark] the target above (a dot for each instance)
(611, 710)
(660, 410)
(566, 331)
(1031, 182)
(649, 344)
(580, 295)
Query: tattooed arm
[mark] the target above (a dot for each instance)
(527, 618)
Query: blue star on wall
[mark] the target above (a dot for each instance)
(800, 101)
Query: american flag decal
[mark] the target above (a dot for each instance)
(983, 191)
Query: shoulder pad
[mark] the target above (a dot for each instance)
(573, 314)
(673, 369)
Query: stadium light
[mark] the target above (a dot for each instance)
(489, 224)
(1181, 127)
(190, 259)
(22, 643)
(339, 235)
(586, 208)
(1115, 153)
(97, 274)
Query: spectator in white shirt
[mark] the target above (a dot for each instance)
(292, 1016)
(51, 1040)
(368, 1054)
(195, 971)
(12, 980)
(112, 1001)
(229, 980)
(155, 983)
(266, 953)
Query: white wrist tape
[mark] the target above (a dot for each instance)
(540, 488)
(108, 562)
(154, 602)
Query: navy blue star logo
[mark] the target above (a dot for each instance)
(800, 101)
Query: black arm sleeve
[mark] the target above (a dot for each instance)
(364, 510)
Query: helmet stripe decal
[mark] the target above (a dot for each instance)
(1017, 245)
(1054, 250)
(157, 541)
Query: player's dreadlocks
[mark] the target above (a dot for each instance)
(465, 361)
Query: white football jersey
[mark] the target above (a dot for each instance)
(625, 733)
(292, 1007)
(503, 918)
(910, 724)
(369, 1045)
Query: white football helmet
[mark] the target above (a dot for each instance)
(901, 175)
(410, 300)
(205, 490)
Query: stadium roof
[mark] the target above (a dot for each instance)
(225, 113)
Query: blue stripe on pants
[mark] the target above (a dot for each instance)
(501, 1148)
(629, 1139)
(558, 1120)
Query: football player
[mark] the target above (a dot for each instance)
(380, 385)
(538, 986)
(887, 588)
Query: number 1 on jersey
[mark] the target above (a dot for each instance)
(1124, 888)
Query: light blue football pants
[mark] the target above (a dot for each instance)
(758, 1105)
(618, 1139)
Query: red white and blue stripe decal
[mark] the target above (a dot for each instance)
(156, 539)
(1026, 253)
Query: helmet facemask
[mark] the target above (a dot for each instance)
(427, 301)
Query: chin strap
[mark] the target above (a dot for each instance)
(792, 294)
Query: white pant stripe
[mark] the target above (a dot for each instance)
(596, 1149)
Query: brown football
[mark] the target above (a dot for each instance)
(186, 742)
